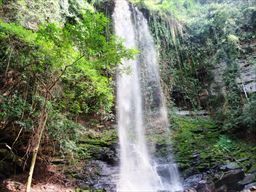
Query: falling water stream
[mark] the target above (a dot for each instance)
(141, 109)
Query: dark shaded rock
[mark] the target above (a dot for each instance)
(163, 171)
(108, 155)
(250, 186)
(231, 179)
(222, 189)
(205, 186)
(189, 171)
(229, 166)
(190, 190)
(98, 175)
(8, 168)
(253, 171)
(249, 165)
(193, 181)
(248, 179)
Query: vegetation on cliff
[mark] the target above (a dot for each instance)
(57, 65)
(51, 78)
(207, 57)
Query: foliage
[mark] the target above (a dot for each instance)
(178, 8)
(78, 59)
(199, 51)
(16, 114)
(32, 14)
(87, 84)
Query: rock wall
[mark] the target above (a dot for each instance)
(247, 66)
(247, 71)
(30, 13)
(246, 61)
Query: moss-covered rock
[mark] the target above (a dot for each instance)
(200, 145)
(99, 146)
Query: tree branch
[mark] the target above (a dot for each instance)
(64, 70)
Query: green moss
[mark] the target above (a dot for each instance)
(105, 138)
(17, 30)
(91, 146)
(201, 145)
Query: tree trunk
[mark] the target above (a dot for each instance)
(42, 123)
(37, 140)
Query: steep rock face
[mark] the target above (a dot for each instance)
(246, 62)
(31, 13)
(247, 70)
(218, 85)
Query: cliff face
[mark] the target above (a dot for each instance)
(31, 13)
(248, 68)
(246, 61)
(246, 78)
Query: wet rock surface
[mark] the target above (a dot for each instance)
(98, 175)
(224, 178)
(231, 179)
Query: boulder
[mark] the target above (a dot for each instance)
(205, 186)
(231, 180)
(250, 187)
(223, 188)
(98, 175)
(190, 190)
(193, 181)
(229, 166)
(248, 179)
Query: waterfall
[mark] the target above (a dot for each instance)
(141, 109)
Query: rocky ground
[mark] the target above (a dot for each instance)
(101, 176)
(208, 163)
(225, 178)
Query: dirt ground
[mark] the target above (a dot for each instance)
(46, 179)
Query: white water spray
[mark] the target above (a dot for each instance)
(141, 108)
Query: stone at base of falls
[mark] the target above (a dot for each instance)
(190, 190)
(205, 186)
(223, 178)
(163, 172)
(193, 181)
(198, 184)
(250, 187)
(250, 178)
(231, 180)
(98, 175)
(229, 166)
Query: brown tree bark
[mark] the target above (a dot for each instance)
(38, 137)
(42, 124)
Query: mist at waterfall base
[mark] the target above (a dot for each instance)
(141, 110)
